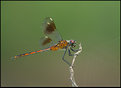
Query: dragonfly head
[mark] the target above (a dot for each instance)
(72, 43)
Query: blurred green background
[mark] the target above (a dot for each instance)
(96, 24)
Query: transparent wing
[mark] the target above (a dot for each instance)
(45, 42)
(52, 36)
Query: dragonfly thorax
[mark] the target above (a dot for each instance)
(61, 45)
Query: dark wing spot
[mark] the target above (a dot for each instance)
(46, 41)
(50, 28)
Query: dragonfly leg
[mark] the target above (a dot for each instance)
(64, 59)
(75, 50)
(69, 52)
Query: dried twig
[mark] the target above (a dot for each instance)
(71, 67)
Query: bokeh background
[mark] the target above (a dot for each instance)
(96, 24)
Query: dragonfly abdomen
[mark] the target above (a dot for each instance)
(26, 54)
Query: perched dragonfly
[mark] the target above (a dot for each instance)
(52, 40)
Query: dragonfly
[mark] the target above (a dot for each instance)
(52, 40)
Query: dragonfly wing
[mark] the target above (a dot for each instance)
(45, 42)
(52, 36)
(48, 26)
(49, 29)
